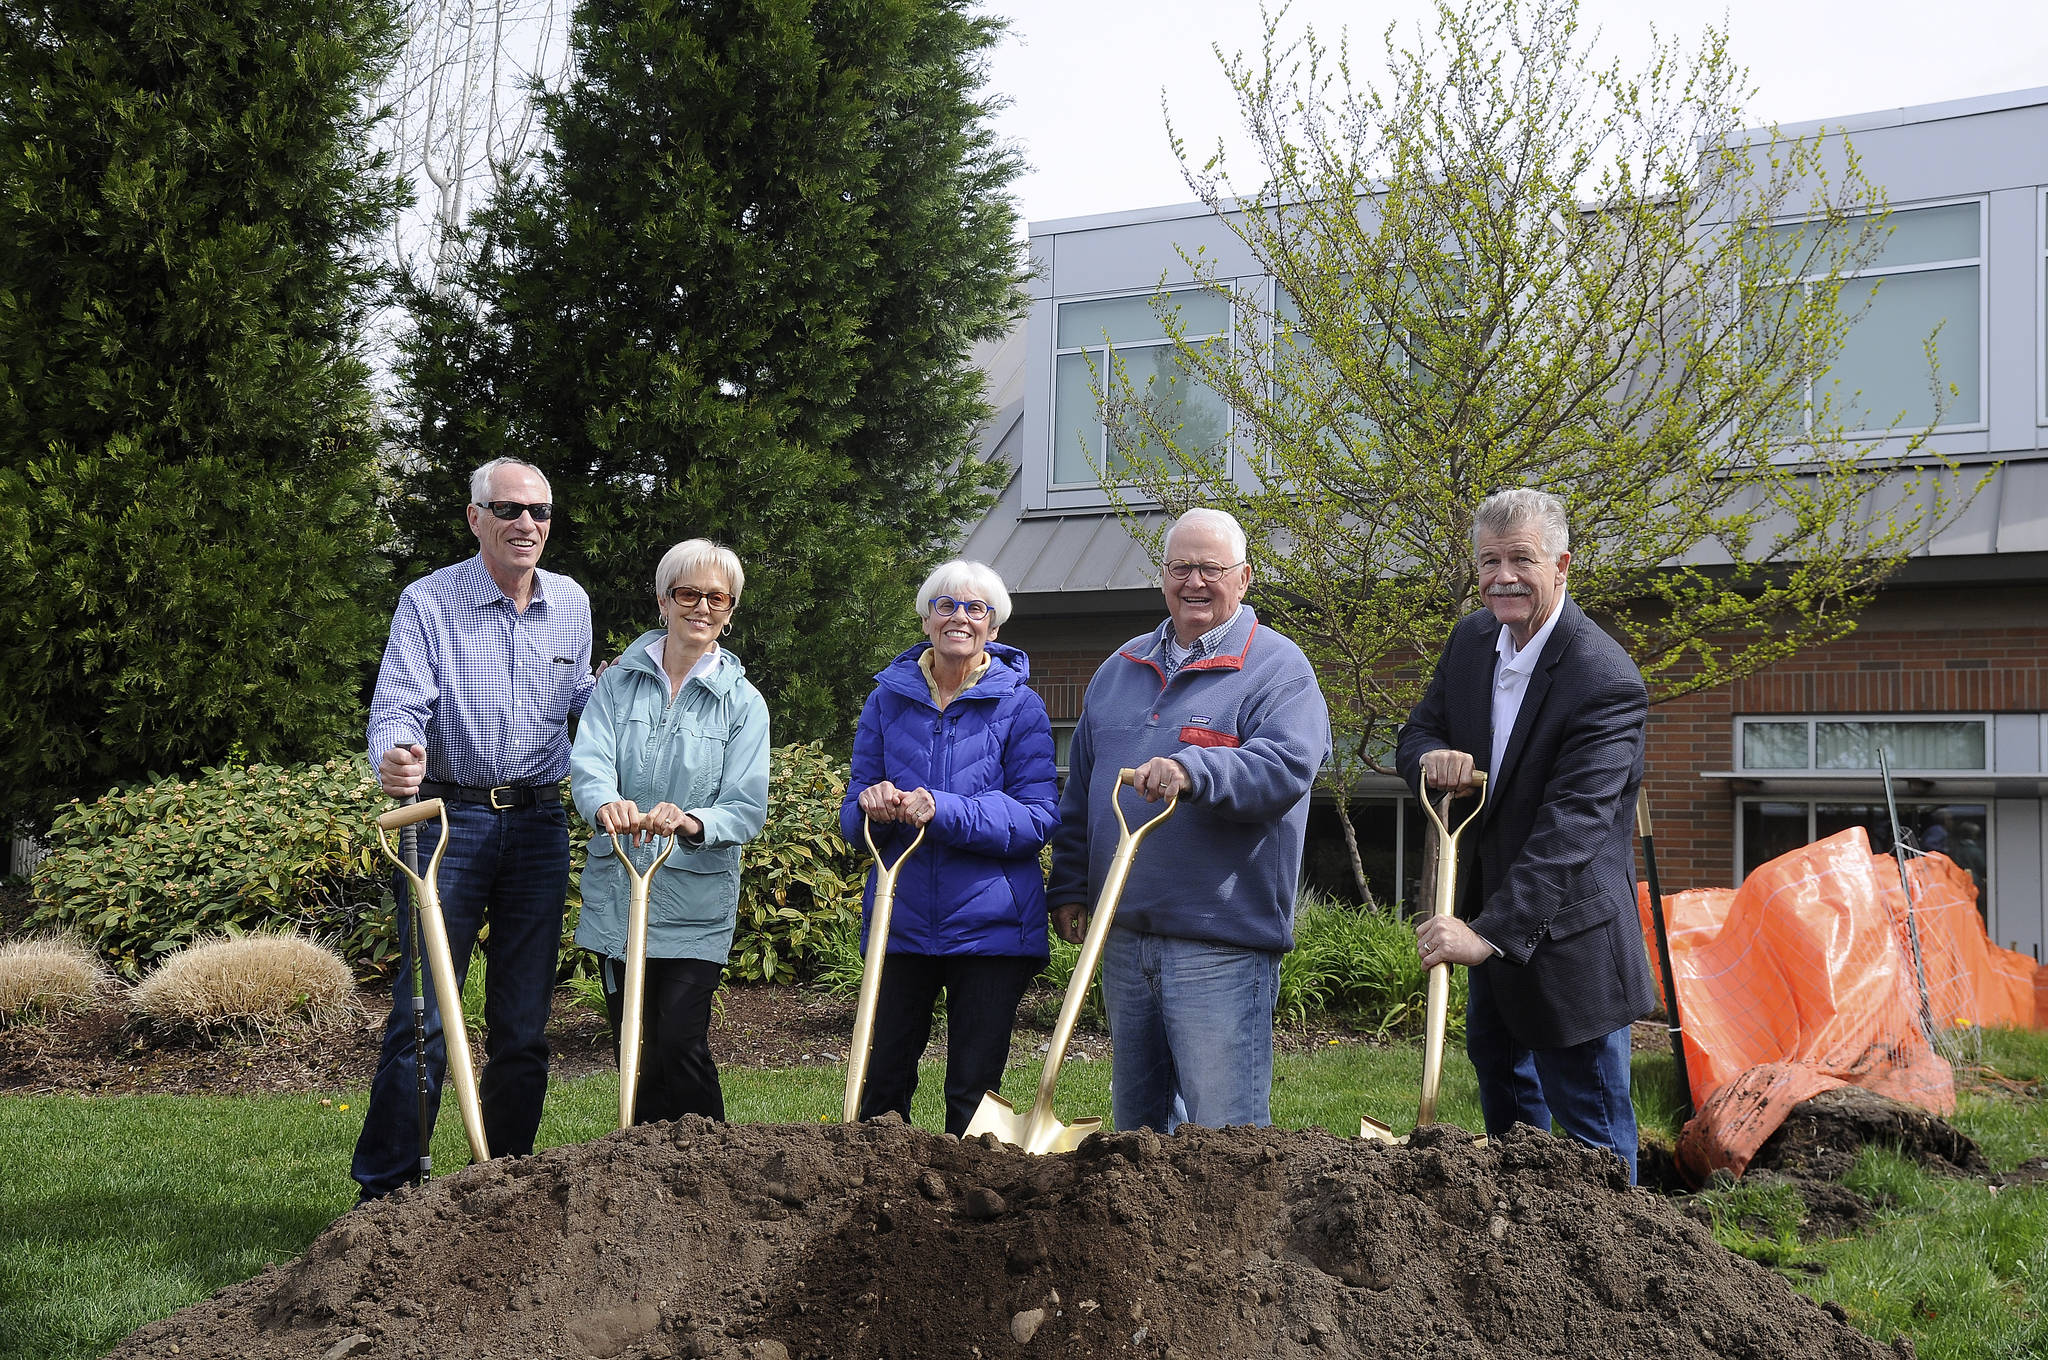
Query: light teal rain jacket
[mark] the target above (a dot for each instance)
(707, 752)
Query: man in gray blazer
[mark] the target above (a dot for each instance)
(1530, 691)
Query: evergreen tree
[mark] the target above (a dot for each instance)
(734, 300)
(188, 544)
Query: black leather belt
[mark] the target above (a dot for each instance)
(503, 798)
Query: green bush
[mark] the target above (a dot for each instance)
(799, 879)
(1362, 962)
(837, 962)
(1043, 1010)
(143, 872)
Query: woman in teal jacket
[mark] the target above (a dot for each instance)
(674, 742)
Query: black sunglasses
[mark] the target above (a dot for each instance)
(541, 513)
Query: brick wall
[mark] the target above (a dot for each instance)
(1878, 670)
(1915, 653)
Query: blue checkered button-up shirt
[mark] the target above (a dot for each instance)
(485, 689)
(1173, 656)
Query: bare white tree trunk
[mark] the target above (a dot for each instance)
(462, 112)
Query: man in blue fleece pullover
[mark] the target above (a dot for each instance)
(1226, 713)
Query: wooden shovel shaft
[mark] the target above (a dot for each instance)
(441, 964)
(1091, 946)
(871, 969)
(632, 1005)
(1437, 989)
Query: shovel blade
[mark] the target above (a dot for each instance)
(1035, 1131)
(1368, 1127)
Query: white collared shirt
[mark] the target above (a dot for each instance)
(1511, 672)
(706, 663)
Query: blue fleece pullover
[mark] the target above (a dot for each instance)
(1250, 726)
(974, 885)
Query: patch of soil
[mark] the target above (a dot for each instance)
(781, 1242)
(106, 1051)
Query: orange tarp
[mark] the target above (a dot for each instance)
(1803, 979)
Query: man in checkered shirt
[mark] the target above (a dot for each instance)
(487, 661)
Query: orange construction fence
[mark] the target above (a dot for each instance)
(1804, 979)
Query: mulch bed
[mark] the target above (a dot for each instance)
(106, 1051)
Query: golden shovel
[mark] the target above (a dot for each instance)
(636, 976)
(1436, 1015)
(871, 969)
(1038, 1130)
(447, 988)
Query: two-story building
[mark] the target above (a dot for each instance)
(1947, 669)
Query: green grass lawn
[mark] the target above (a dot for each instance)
(117, 1211)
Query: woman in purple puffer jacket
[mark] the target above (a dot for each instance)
(954, 741)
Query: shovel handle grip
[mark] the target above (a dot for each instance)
(408, 814)
(627, 860)
(1130, 777)
(885, 870)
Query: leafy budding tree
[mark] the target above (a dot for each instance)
(189, 560)
(1511, 266)
(733, 298)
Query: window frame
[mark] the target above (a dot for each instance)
(1877, 270)
(1741, 769)
(2041, 307)
(1059, 492)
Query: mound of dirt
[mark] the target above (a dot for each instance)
(777, 1242)
(1821, 1137)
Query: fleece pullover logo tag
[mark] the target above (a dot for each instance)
(1197, 733)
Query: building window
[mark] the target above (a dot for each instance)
(1097, 339)
(1390, 847)
(1834, 745)
(1776, 826)
(1062, 746)
(1928, 274)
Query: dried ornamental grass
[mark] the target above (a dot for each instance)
(47, 976)
(248, 981)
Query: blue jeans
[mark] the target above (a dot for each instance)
(1583, 1087)
(1192, 1027)
(510, 870)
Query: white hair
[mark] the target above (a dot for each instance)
(965, 580)
(693, 555)
(1204, 516)
(480, 480)
(1505, 511)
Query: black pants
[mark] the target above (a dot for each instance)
(677, 1076)
(982, 991)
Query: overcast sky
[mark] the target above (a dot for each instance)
(1084, 77)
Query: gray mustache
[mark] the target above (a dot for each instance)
(1509, 590)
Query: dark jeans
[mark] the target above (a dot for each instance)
(1583, 1087)
(677, 1076)
(510, 870)
(982, 991)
